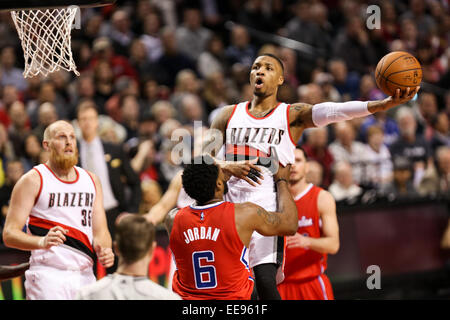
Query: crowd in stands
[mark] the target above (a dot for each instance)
(154, 66)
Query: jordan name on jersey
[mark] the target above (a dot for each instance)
(202, 233)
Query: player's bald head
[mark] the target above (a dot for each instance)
(49, 131)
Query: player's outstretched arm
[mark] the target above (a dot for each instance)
(158, 212)
(101, 236)
(22, 201)
(303, 115)
(329, 240)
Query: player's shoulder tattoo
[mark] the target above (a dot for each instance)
(299, 111)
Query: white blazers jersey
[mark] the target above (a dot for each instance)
(248, 137)
(68, 204)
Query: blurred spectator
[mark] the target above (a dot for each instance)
(409, 36)
(9, 96)
(346, 148)
(6, 152)
(82, 88)
(213, 58)
(10, 74)
(253, 14)
(432, 68)
(119, 65)
(138, 58)
(46, 115)
(186, 82)
(129, 114)
(162, 111)
(314, 174)
(47, 93)
(14, 170)
(377, 170)
(240, 50)
(425, 110)
(353, 46)
(417, 13)
(191, 36)
(302, 28)
(170, 163)
(310, 93)
(325, 81)
(382, 120)
(289, 58)
(172, 60)
(18, 128)
(145, 163)
(343, 186)
(33, 149)
(151, 92)
(436, 180)
(120, 32)
(368, 90)
(402, 186)
(441, 131)
(151, 38)
(104, 85)
(217, 92)
(346, 83)
(191, 109)
(120, 184)
(151, 194)
(390, 27)
(124, 86)
(410, 145)
(316, 147)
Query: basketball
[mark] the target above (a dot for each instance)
(398, 70)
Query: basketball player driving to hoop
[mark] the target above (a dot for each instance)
(264, 129)
(62, 205)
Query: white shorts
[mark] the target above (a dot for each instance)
(262, 249)
(47, 283)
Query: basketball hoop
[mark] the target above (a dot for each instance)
(44, 28)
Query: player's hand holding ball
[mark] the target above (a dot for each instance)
(398, 75)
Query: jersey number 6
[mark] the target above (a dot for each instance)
(204, 274)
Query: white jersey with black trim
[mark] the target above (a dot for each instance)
(68, 204)
(248, 137)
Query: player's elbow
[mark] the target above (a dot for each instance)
(6, 236)
(335, 247)
(291, 228)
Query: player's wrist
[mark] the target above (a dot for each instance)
(41, 243)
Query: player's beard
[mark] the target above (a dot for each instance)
(64, 162)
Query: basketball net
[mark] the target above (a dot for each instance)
(45, 38)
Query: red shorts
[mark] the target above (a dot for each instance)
(316, 289)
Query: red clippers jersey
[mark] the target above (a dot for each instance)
(209, 255)
(302, 264)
